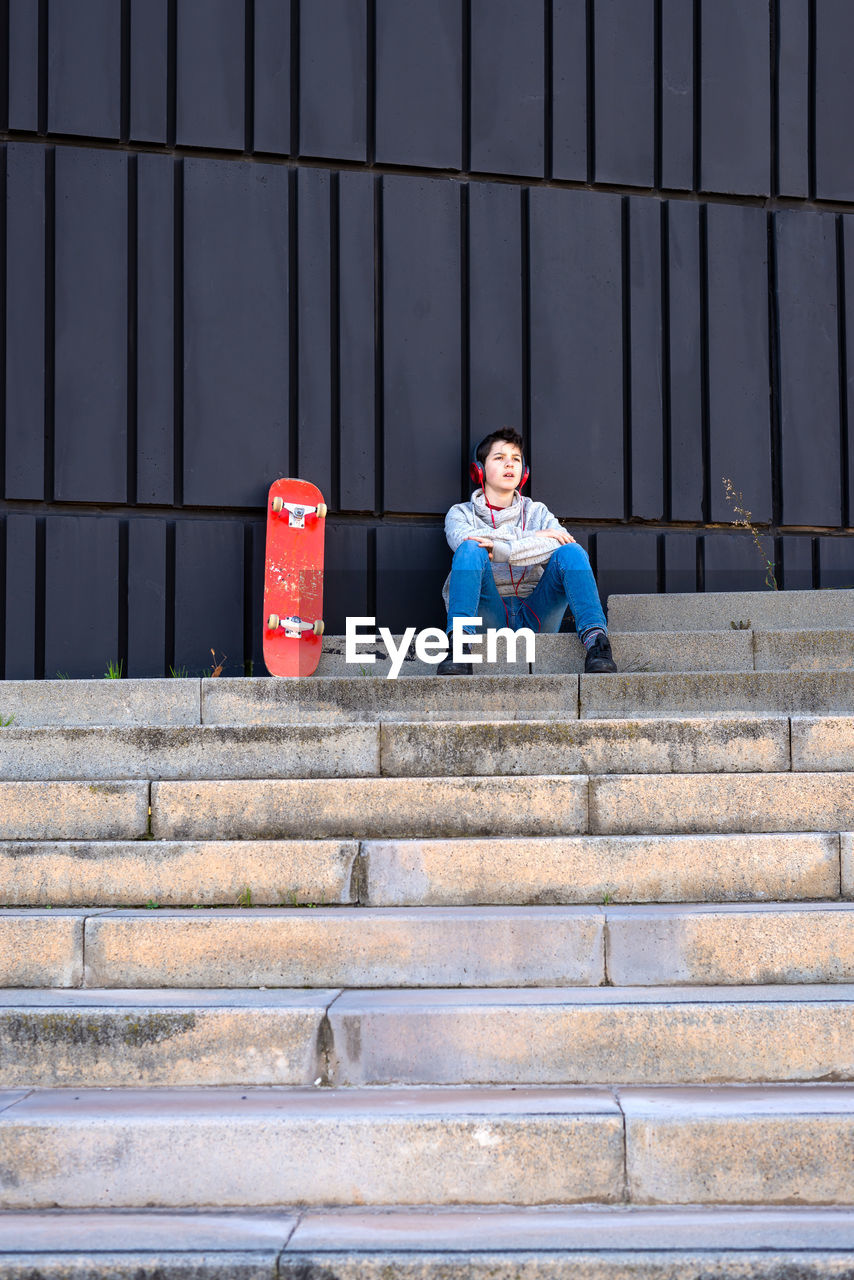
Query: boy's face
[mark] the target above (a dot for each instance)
(503, 467)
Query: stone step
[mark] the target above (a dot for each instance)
(561, 1242)
(200, 751)
(78, 810)
(256, 1147)
(134, 873)
(671, 803)
(331, 699)
(408, 750)
(603, 869)
(365, 807)
(709, 693)
(605, 1035)
(727, 745)
(325, 701)
(615, 804)
(733, 649)
(468, 872)
(98, 702)
(451, 748)
(108, 1038)
(765, 1145)
(703, 944)
(55, 1038)
(748, 1145)
(717, 610)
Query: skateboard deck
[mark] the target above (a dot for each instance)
(293, 578)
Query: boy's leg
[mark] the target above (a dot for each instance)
(568, 580)
(472, 593)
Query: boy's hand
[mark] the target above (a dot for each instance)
(559, 535)
(481, 542)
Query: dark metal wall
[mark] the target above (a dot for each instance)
(344, 238)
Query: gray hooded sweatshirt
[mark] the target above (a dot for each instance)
(518, 554)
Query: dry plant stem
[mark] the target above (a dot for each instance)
(736, 500)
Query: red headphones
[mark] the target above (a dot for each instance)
(476, 468)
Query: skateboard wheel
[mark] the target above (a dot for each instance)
(318, 627)
(273, 622)
(278, 504)
(321, 510)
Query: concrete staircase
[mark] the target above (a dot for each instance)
(351, 977)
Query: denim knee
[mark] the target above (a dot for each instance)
(572, 556)
(469, 555)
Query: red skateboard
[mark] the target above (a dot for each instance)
(293, 578)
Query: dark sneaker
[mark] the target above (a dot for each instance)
(599, 658)
(451, 668)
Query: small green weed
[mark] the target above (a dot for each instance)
(114, 670)
(743, 521)
(152, 905)
(5, 721)
(608, 898)
(244, 898)
(743, 625)
(61, 675)
(179, 673)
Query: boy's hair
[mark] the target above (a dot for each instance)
(503, 433)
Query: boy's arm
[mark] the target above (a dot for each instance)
(459, 524)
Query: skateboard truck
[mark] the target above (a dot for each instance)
(298, 513)
(294, 627)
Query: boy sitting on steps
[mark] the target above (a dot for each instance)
(514, 564)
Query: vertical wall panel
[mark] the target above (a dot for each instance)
(733, 563)
(209, 591)
(626, 563)
(686, 395)
(155, 329)
(21, 586)
(677, 95)
(412, 564)
(834, 100)
(624, 41)
(149, 42)
(797, 564)
(646, 365)
(210, 103)
(81, 595)
(345, 577)
(235, 331)
(357, 342)
(836, 560)
(422, 355)
(91, 326)
(314, 432)
(569, 90)
(507, 86)
(848, 256)
(333, 78)
(576, 353)
(419, 83)
(25, 320)
(736, 97)
(272, 104)
(23, 65)
(495, 308)
(793, 99)
(147, 598)
(739, 384)
(809, 368)
(680, 562)
(84, 68)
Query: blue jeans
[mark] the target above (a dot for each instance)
(567, 580)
